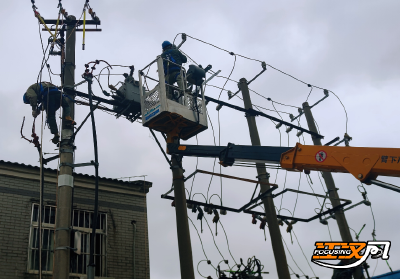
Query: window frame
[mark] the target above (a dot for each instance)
(84, 231)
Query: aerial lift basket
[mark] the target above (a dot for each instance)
(187, 114)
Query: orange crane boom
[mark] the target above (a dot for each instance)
(364, 163)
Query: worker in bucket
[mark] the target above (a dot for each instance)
(172, 70)
(46, 96)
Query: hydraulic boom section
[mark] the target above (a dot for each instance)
(364, 163)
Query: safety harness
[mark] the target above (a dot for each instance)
(42, 97)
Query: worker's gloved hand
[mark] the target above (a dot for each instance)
(35, 113)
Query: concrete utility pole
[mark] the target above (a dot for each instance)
(182, 224)
(332, 190)
(263, 176)
(65, 178)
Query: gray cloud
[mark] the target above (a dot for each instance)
(351, 48)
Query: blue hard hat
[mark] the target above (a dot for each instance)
(25, 98)
(165, 44)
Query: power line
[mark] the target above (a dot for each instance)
(197, 163)
(307, 260)
(309, 93)
(201, 242)
(299, 80)
(227, 241)
(298, 188)
(213, 237)
(287, 248)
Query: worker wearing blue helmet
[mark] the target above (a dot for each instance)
(172, 60)
(46, 96)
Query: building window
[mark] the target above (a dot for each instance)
(82, 223)
(49, 220)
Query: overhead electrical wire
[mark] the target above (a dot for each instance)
(306, 83)
(213, 238)
(219, 123)
(227, 242)
(287, 248)
(194, 176)
(201, 242)
(298, 188)
(307, 259)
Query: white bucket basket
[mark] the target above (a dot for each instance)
(164, 115)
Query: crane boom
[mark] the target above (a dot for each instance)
(364, 163)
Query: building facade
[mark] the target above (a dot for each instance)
(121, 241)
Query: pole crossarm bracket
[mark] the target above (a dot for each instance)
(91, 163)
(319, 215)
(73, 22)
(46, 160)
(301, 112)
(253, 112)
(367, 203)
(252, 201)
(85, 95)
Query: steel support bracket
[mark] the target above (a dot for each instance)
(91, 163)
(46, 160)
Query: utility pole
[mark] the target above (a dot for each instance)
(263, 176)
(332, 190)
(182, 224)
(65, 178)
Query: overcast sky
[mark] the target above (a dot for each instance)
(349, 47)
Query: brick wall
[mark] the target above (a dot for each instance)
(121, 201)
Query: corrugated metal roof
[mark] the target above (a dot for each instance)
(80, 174)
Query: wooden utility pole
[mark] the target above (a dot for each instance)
(65, 178)
(332, 190)
(182, 224)
(263, 176)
